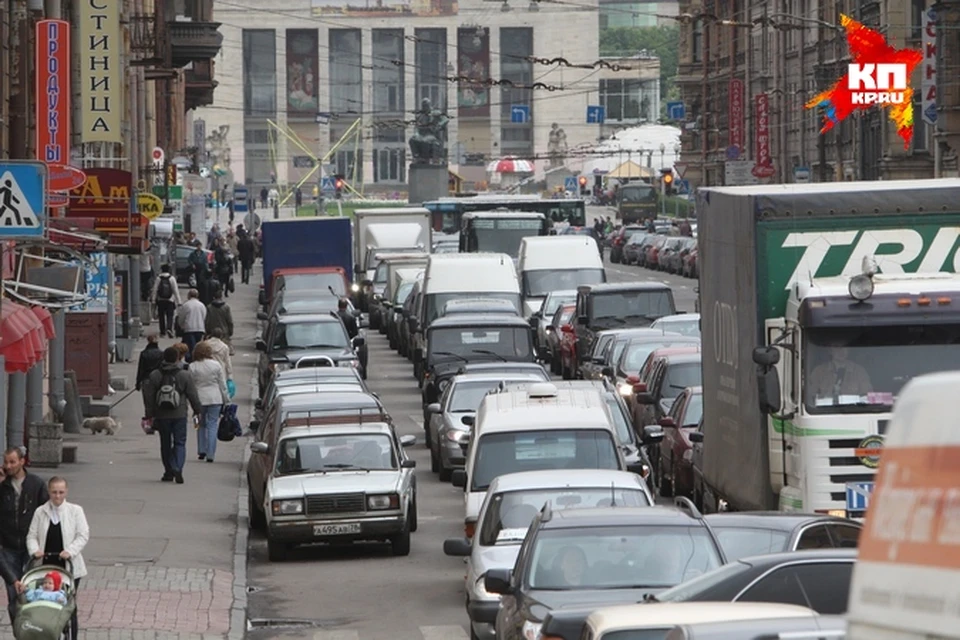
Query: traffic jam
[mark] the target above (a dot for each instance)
(775, 464)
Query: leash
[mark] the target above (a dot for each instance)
(124, 397)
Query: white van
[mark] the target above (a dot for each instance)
(537, 428)
(906, 583)
(556, 263)
(450, 276)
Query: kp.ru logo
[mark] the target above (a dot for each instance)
(877, 83)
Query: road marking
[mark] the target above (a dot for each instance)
(417, 420)
(345, 634)
(449, 632)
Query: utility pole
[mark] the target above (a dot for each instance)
(819, 75)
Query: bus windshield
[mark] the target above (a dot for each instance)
(500, 235)
(637, 194)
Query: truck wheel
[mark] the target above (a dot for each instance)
(277, 551)
(400, 543)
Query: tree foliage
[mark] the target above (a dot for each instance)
(662, 41)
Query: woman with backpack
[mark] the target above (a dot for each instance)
(166, 296)
(211, 382)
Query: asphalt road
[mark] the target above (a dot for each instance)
(362, 592)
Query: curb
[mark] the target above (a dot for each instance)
(238, 609)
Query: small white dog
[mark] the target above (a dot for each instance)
(103, 424)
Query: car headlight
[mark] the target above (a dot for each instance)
(349, 363)
(458, 436)
(626, 389)
(531, 630)
(287, 507)
(386, 501)
(354, 287)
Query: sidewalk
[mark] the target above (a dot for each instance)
(165, 561)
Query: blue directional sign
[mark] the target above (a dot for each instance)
(676, 111)
(326, 184)
(23, 192)
(240, 202)
(570, 183)
(519, 113)
(596, 114)
(858, 495)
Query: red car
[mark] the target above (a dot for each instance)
(690, 264)
(652, 259)
(676, 450)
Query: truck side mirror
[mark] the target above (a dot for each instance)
(766, 356)
(768, 390)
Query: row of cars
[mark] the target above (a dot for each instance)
(661, 250)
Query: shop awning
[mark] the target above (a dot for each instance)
(23, 336)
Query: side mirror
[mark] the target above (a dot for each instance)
(584, 320)
(667, 421)
(640, 387)
(497, 581)
(408, 464)
(768, 390)
(459, 478)
(254, 425)
(607, 372)
(534, 321)
(643, 397)
(457, 547)
(434, 407)
(468, 420)
(358, 341)
(766, 356)
(696, 437)
(408, 440)
(357, 313)
(261, 315)
(262, 297)
(652, 433)
(632, 380)
(418, 355)
(261, 345)
(258, 404)
(260, 447)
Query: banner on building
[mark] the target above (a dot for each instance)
(473, 55)
(96, 275)
(736, 118)
(53, 91)
(302, 67)
(384, 8)
(763, 162)
(928, 85)
(101, 86)
(105, 202)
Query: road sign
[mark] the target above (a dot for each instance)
(327, 184)
(149, 206)
(858, 495)
(519, 114)
(676, 111)
(322, 118)
(252, 222)
(801, 175)
(240, 203)
(680, 168)
(570, 183)
(23, 190)
(683, 187)
(596, 114)
(158, 155)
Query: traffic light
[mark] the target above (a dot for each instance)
(338, 187)
(584, 190)
(666, 178)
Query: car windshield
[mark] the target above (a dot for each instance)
(542, 282)
(862, 369)
(617, 350)
(501, 453)
(637, 193)
(680, 375)
(509, 514)
(402, 292)
(339, 452)
(565, 315)
(552, 303)
(683, 326)
(501, 235)
(313, 282)
(437, 301)
(461, 343)
(644, 305)
(637, 634)
(467, 396)
(694, 411)
(621, 424)
(637, 353)
(446, 247)
(310, 335)
(601, 344)
(314, 304)
(743, 542)
(700, 584)
(620, 557)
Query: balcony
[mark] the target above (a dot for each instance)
(193, 41)
(199, 85)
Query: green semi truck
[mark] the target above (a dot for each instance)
(819, 302)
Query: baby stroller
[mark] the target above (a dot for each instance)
(43, 619)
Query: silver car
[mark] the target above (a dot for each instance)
(686, 324)
(511, 503)
(452, 417)
(540, 320)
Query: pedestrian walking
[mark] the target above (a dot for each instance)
(200, 269)
(167, 393)
(224, 266)
(182, 351)
(232, 247)
(166, 295)
(247, 251)
(298, 197)
(210, 379)
(21, 494)
(222, 352)
(150, 358)
(349, 322)
(146, 276)
(59, 529)
(263, 197)
(192, 316)
(219, 316)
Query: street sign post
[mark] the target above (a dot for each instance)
(240, 203)
(676, 111)
(570, 183)
(519, 114)
(23, 192)
(327, 184)
(680, 168)
(596, 114)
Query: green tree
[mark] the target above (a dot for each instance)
(661, 41)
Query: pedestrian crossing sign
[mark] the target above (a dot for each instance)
(23, 187)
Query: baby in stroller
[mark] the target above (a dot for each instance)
(50, 589)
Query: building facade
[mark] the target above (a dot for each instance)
(368, 69)
(746, 71)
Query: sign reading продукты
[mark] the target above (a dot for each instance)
(53, 91)
(23, 188)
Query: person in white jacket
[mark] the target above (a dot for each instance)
(211, 383)
(59, 529)
(192, 318)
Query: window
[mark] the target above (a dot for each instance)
(309, 335)
(431, 59)
(349, 164)
(697, 41)
(741, 543)
(346, 72)
(259, 72)
(815, 538)
(823, 587)
(387, 49)
(628, 100)
(338, 452)
(844, 536)
(390, 165)
(505, 341)
(516, 45)
(918, 10)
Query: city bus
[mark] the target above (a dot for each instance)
(448, 212)
(500, 231)
(637, 201)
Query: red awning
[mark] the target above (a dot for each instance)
(43, 315)
(22, 337)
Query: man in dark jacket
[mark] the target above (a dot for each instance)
(219, 316)
(150, 358)
(349, 322)
(200, 268)
(21, 493)
(248, 252)
(165, 385)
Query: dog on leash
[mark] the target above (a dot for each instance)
(104, 424)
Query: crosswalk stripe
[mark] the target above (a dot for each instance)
(447, 632)
(417, 420)
(343, 634)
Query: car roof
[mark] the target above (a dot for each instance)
(309, 373)
(347, 400)
(618, 517)
(780, 520)
(682, 358)
(676, 351)
(317, 387)
(511, 410)
(466, 320)
(621, 287)
(774, 559)
(640, 332)
(562, 292)
(496, 377)
(623, 617)
(561, 478)
(509, 367)
(812, 628)
(303, 318)
(675, 338)
(342, 428)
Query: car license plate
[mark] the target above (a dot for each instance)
(336, 529)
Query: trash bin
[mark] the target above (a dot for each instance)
(45, 444)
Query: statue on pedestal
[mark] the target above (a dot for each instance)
(557, 145)
(426, 145)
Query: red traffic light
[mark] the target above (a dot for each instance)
(339, 184)
(583, 181)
